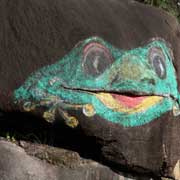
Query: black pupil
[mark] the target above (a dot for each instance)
(96, 60)
(159, 66)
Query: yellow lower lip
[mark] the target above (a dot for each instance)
(113, 104)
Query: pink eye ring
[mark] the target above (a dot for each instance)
(96, 59)
(157, 60)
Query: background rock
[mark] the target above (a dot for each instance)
(15, 164)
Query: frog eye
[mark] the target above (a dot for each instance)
(157, 60)
(96, 58)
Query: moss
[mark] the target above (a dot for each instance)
(56, 156)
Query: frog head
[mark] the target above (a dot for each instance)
(128, 87)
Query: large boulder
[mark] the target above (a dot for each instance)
(36, 34)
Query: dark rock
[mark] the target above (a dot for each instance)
(37, 33)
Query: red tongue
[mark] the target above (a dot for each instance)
(129, 101)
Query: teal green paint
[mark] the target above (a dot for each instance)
(67, 81)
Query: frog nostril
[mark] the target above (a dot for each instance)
(115, 79)
(149, 81)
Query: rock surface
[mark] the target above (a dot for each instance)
(17, 164)
(37, 33)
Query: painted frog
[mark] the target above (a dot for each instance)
(127, 87)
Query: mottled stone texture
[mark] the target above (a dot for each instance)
(17, 164)
(37, 33)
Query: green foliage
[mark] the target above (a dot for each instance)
(168, 5)
(10, 137)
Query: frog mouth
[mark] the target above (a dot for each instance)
(128, 103)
